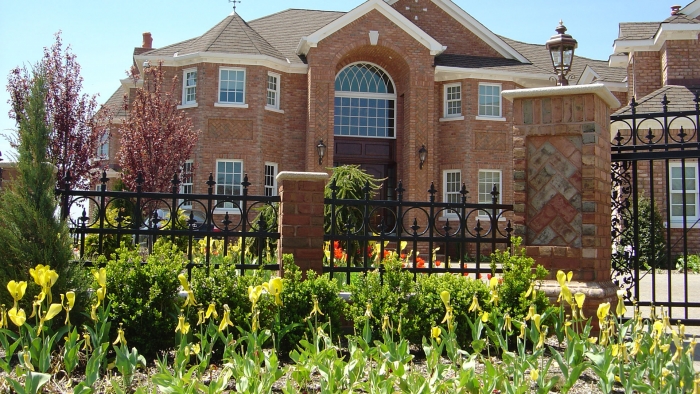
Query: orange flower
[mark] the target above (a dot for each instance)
(488, 276)
(403, 255)
(336, 244)
(338, 253)
(466, 274)
(420, 262)
(437, 263)
(386, 253)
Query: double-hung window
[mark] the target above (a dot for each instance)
(189, 87)
(229, 175)
(683, 190)
(273, 91)
(490, 100)
(103, 147)
(270, 179)
(453, 100)
(232, 86)
(186, 182)
(487, 180)
(451, 182)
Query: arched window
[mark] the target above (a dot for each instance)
(365, 102)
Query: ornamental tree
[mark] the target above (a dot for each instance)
(156, 138)
(75, 122)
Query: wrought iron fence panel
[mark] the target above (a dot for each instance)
(459, 228)
(140, 218)
(655, 222)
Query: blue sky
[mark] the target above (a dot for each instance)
(103, 34)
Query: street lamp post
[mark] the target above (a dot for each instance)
(561, 48)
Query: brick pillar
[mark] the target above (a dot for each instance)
(301, 218)
(561, 169)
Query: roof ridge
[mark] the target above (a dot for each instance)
(221, 31)
(252, 41)
(294, 9)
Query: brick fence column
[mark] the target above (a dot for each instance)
(561, 170)
(301, 218)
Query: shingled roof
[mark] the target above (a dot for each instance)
(680, 98)
(637, 30)
(115, 103)
(231, 35)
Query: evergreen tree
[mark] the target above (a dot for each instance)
(31, 232)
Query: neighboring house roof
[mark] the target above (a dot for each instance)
(231, 35)
(116, 102)
(680, 98)
(284, 29)
(637, 30)
(680, 18)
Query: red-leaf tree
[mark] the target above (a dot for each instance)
(75, 122)
(156, 138)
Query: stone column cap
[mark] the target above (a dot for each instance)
(597, 88)
(301, 176)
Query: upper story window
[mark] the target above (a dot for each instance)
(232, 86)
(453, 100)
(451, 182)
(365, 102)
(683, 189)
(189, 87)
(490, 100)
(270, 179)
(103, 147)
(273, 91)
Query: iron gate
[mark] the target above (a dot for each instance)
(655, 205)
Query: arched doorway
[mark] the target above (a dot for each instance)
(365, 123)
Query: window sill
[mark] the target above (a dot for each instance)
(230, 211)
(679, 224)
(487, 219)
(451, 118)
(491, 118)
(273, 109)
(230, 105)
(185, 106)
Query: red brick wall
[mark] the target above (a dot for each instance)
(679, 60)
(644, 73)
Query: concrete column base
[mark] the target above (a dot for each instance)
(596, 294)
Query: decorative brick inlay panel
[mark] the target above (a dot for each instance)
(490, 141)
(321, 110)
(231, 129)
(554, 190)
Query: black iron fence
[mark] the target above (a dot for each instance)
(212, 228)
(656, 236)
(464, 233)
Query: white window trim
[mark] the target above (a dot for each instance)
(234, 211)
(446, 214)
(218, 89)
(500, 190)
(277, 91)
(103, 140)
(452, 119)
(185, 103)
(274, 178)
(183, 184)
(677, 221)
(500, 103)
(445, 101)
(493, 119)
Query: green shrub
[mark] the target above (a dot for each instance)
(389, 297)
(519, 272)
(426, 309)
(298, 300)
(693, 263)
(648, 258)
(144, 296)
(109, 241)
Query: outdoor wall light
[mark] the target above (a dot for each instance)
(422, 155)
(561, 48)
(321, 150)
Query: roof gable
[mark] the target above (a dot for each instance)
(381, 6)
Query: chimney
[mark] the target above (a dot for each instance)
(675, 9)
(148, 40)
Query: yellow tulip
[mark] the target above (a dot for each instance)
(658, 327)
(435, 333)
(615, 349)
(120, 336)
(664, 348)
(603, 310)
(531, 312)
(196, 348)
(183, 281)
(101, 277)
(537, 319)
(254, 294)
(93, 312)
(182, 326)
(522, 331)
(211, 311)
(620, 309)
(190, 301)
(275, 289)
(493, 283)
(445, 296)
(70, 302)
(368, 311)
(17, 316)
(580, 298)
(87, 343)
(225, 320)
(566, 293)
(475, 304)
(485, 317)
(37, 274)
(316, 310)
(100, 294)
(17, 289)
(385, 322)
(54, 309)
(507, 325)
(534, 374)
(3, 317)
(200, 317)
(494, 298)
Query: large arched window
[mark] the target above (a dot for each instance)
(365, 102)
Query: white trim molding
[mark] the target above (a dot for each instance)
(225, 58)
(597, 88)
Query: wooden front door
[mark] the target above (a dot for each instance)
(375, 156)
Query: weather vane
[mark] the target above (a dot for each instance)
(234, 4)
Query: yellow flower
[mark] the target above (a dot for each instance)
(522, 331)
(603, 310)
(17, 316)
(537, 319)
(93, 312)
(507, 325)
(274, 287)
(615, 349)
(493, 283)
(475, 304)
(580, 298)
(566, 293)
(368, 311)
(658, 327)
(530, 290)
(200, 317)
(531, 312)
(182, 326)
(316, 310)
(3, 317)
(254, 294)
(190, 301)
(445, 296)
(211, 311)
(54, 309)
(435, 333)
(664, 348)
(494, 298)
(183, 281)
(385, 322)
(485, 317)
(620, 310)
(120, 336)
(534, 374)
(17, 289)
(70, 302)
(563, 278)
(100, 294)
(196, 348)
(101, 277)
(225, 320)
(87, 343)
(27, 359)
